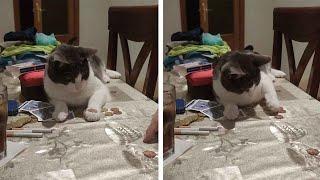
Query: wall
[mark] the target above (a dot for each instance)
(171, 20)
(6, 17)
(258, 25)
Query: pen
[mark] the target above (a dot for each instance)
(21, 134)
(32, 130)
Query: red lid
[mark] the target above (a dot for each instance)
(30, 79)
(200, 78)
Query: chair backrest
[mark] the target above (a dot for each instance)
(302, 25)
(139, 24)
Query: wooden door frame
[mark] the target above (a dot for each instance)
(16, 9)
(74, 29)
(184, 25)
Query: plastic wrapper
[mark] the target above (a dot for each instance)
(122, 134)
(285, 132)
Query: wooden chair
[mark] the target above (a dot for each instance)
(139, 24)
(302, 25)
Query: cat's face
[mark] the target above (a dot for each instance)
(239, 70)
(69, 66)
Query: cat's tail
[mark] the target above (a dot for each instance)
(113, 74)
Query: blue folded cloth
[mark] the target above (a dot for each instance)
(43, 39)
(170, 61)
(209, 39)
(5, 61)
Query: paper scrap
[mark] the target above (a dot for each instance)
(228, 172)
(65, 174)
(13, 149)
(180, 147)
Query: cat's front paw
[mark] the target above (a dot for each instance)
(113, 74)
(278, 73)
(273, 105)
(105, 78)
(60, 116)
(231, 112)
(91, 114)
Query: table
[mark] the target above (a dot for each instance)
(256, 148)
(86, 149)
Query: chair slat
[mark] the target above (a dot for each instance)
(314, 79)
(150, 80)
(277, 50)
(291, 59)
(112, 50)
(141, 59)
(305, 58)
(126, 58)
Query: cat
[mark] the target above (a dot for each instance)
(75, 76)
(243, 78)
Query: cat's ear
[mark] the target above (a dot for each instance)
(249, 47)
(259, 60)
(87, 52)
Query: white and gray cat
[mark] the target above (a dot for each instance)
(75, 76)
(243, 78)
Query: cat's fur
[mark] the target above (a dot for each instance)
(75, 76)
(243, 78)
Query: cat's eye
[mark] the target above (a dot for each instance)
(234, 76)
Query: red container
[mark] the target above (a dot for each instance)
(200, 84)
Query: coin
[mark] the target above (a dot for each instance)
(149, 154)
(108, 113)
(313, 151)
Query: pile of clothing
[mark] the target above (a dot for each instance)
(26, 46)
(23, 54)
(192, 56)
(194, 46)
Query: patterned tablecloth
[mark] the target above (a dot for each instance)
(111, 148)
(260, 146)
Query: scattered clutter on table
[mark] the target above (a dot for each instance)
(125, 137)
(186, 121)
(193, 56)
(20, 120)
(212, 109)
(42, 110)
(27, 132)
